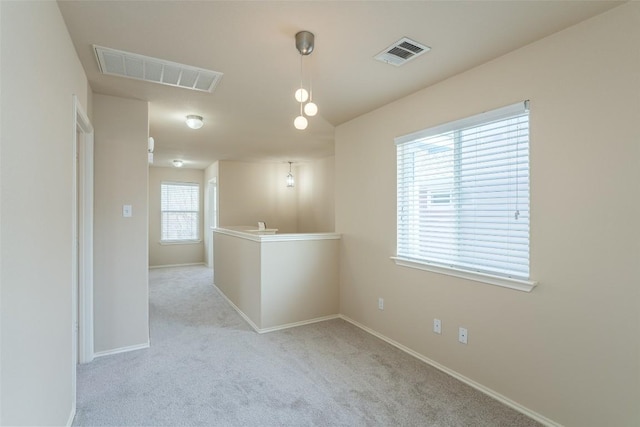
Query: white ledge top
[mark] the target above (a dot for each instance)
(250, 233)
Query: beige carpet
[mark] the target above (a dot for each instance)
(207, 367)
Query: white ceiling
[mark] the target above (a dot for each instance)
(250, 114)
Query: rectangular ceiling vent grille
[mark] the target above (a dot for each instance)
(401, 52)
(124, 64)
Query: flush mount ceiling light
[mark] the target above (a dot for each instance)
(290, 181)
(178, 163)
(305, 42)
(194, 122)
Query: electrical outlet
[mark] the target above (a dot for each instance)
(380, 304)
(463, 335)
(437, 326)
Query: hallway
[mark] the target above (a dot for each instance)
(206, 366)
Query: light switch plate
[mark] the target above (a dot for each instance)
(127, 211)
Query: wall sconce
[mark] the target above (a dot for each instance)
(178, 163)
(194, 122)
(305, 44)
(290, 180)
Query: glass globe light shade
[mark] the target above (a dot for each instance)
(310, 109)
(194, 122)
(302, 95)
(300, 123)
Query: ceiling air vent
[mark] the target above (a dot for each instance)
(124, 64)
(402, 51)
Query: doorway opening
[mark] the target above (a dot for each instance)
(82, 241)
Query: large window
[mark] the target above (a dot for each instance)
(179, 204)
(463, 194)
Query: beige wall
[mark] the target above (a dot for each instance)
(299, 281)
(278, 283)
(173, 254)
(314, 183)
(252, 192)
(40, 73)
(236, 272)
(121, 258)
(569, 350)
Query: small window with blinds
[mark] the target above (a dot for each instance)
(179, 205)
(463, 196)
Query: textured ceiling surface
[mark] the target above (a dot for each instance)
(249, 116)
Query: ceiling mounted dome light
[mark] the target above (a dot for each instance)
(194, 122)
(178, 163)
(305, 43)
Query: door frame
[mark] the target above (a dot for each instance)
(212, 215)
(82, 241)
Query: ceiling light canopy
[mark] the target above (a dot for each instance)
(305, 42)
(194, 122)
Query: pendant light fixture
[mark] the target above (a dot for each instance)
(290, 180)
(305, 44)
(310, 108)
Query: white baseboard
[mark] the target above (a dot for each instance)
(151, 267)
(491, 393)
(274, 328)
(121, 350)
(235, 307)
(296, 324)
(72, 415)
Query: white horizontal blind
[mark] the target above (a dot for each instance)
(180, 211)
(463, 194)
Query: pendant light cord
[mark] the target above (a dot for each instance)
(311, 82)
(301, 89)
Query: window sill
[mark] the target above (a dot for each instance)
(505, 282)
(180, 242)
